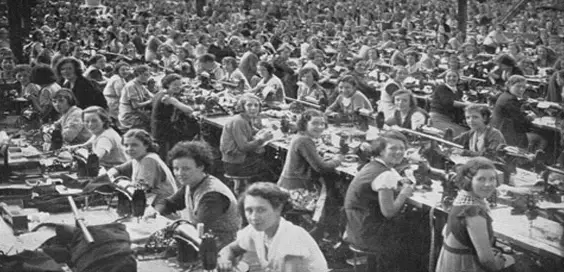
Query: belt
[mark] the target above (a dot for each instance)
(459, 251)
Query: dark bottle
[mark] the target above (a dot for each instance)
(208, 252)
(56, 139)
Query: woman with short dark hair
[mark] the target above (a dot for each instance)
(407, 113)
(203, 198)
(69, 71)
(279, 244)
(46, 78)
(70, 122)
(482, 138)
(468, 235)
(270, 87)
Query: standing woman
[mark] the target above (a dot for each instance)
(443, 113)
(278, 244)
(71, 125)
(112, 91)
(145, 167)
(86, 92)
(171, 120)
(468, 235)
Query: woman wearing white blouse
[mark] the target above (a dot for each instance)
(112, 91)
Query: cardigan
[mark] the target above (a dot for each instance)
(493, 138)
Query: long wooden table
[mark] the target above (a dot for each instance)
(542, 239)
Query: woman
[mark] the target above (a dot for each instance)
(234, 75)
(407, 113)
(22, 72)
(545, 57)
(304, 166)
(62, 50)
(202, 198)
(481, 139)
(112, 91)
(46, 78)
(171, 120)
(373, 204)
(241, 143)
(279, 244)
(350, 100)
(308, 88)
(168, 58)
(374, 61)
(95, 72)
(468, 235)
(145, 167)
(392, 85)
(515, 52)
(86, 92)
(70, 123)
(270, 87)
(135, 97)
(444, 114)
(105, 141)
(508, 117)
(506, 67)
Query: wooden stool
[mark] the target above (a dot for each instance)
(356, 252)
(240, 183)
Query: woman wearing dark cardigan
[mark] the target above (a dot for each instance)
(85, 91)
(482, 139)
(443, 113)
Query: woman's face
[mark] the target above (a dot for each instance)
(175, 86)
(262, 71)
(134, 148)
(8, 64)
(513, 49)
(67, 71)
(401, 75)
(61, 105)
(346, 89)
(187, 171)
(541, 52)
(402, 102)
(451, 79)
(360, 67)
(475, 120)
(308, 79)
(315, 126)
(94, 123)
(410, 59)
(373, 54)
(484, 182)
(64, 48)
(124, 71)
(252, 107)
(260, 213)
(518, 89)
(393, 153)
(101, 63)
(23, 78)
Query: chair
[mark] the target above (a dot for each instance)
(356, 252)
(239, 183)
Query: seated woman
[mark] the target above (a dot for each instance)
(468, 235)
(443, 113)
(373, 205)
(392, 85)
(202, 198)
(304, 166)
(514, 124)
(105, 141)
(279, 244)
(309, 89)
(270, 87)
(234, 75)
(350, 100)
(241, 142)
(46, 78)
(95, 72)
(171, 120)
(481, 139)
(112, 91)
(70, 123)
(506, 67)
(407, 113)
(556, 87)
(145, 168)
